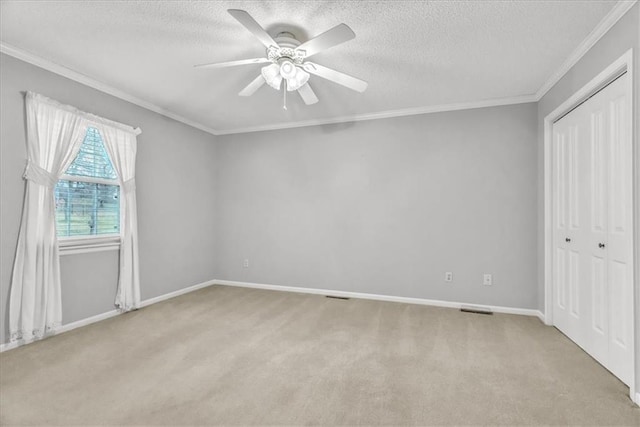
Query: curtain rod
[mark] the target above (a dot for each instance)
(88, 116)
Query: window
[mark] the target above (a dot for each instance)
(87, 200)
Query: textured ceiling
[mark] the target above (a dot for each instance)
(412, 53)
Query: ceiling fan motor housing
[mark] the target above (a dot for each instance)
(286, 39)
(286, 49)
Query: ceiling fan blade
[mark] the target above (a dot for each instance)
(307, 94)
(233, 63)
(336, 35)
(253, 86)
(336, 76)
(250, 24)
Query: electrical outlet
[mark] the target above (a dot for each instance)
(448, 276)
(245, 263)
(487, 280)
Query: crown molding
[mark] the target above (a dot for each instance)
(96, 84)
(614, 15)
(522, 99)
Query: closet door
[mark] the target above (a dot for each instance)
(570, 232)
(597, 330)
(619, 239)
(593, 265)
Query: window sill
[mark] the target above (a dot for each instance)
(83, 245)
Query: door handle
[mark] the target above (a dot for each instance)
(567, 239)
(601, 245)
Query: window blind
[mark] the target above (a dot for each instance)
(85, 207)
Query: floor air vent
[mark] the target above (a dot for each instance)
(476, 310)
(335, 297)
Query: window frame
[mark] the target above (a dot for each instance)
(69, 245)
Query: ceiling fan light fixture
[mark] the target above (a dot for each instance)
(271, 74)
(296, 82)
(287, 69)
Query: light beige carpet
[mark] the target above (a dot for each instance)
(238, 356)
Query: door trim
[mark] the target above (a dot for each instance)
(624, 63)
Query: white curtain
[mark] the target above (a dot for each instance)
(54, 136)
(55, 133)
(121, 146)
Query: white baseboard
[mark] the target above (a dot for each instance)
(12, 345)
(408, 300)
(176, 293)
(84, 322)
(62, 329)
(98, 317)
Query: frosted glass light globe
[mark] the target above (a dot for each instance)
(287, 69)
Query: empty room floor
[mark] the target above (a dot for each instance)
(225, 355)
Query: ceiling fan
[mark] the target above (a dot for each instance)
(288, 58)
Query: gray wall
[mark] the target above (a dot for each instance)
(386, 206)
(175, 187)
(624, 35)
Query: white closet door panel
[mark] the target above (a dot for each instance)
(620, 354)
(597, 328)
(618, 277)
(599, 298)
(574, 284)
(573, 175)
(620, 160)
(561, 281)
(560, 181)
(598, 173)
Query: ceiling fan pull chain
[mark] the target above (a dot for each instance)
(284, 106)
